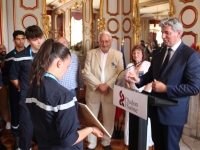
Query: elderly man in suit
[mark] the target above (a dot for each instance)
(102, 66)
(175, 72)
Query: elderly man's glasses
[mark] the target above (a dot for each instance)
(106, 42)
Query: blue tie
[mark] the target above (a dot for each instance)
(166, 60)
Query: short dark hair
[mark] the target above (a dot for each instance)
(49, 51)
(142, 41)
(33, 31)
(18, 32)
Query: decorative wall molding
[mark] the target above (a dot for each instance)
(14, 15)
(118, 41)
(191, 33)
(127, 8)
(130, 46)
(185, 11)
(23, 4)
(25, 21)
(113, 30)
(186, 1)
(126, 21)
(108, 8)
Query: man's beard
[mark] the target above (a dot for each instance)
(2, 56)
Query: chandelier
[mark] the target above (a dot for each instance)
(154, 28)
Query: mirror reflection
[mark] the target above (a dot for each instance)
(76, 27)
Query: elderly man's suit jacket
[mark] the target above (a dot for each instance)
(93, 72)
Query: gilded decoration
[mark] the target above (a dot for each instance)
(101, 22)
(46, 21)
(29, 8)
(136, 21)
(172, 8)
(125, 13)
(107, 8)
(108, 27)
(195, 16)
(62, 1)
(186, 1)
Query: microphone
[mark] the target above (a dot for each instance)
(151, 55)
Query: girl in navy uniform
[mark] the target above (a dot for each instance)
(53, 108)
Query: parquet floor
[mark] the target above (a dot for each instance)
(117, 144)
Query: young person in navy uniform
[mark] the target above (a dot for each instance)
(178, 80)
(53, 108)
(14, 94)
(19, 75)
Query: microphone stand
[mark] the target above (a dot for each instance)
(151, 55)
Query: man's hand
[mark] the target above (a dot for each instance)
(103, 88)
(132, 77)
(16, 84)
(159, 87)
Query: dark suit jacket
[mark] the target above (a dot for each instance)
(182, 78)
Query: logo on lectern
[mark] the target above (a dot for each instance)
(121, 101)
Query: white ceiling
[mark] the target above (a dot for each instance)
(149, 8)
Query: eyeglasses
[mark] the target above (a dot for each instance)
(106, 42)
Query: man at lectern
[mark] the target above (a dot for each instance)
(175, 72)
(102, 65)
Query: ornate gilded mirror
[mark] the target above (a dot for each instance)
(60, 24)
(76, 27)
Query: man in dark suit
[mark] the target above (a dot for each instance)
(178, 79)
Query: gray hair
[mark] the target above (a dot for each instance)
(104, 32)
(175, 23)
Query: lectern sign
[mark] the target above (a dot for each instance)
(134, 102)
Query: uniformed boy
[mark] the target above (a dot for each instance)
(14, 94)
(19, 75)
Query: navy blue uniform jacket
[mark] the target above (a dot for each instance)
(182, 78)
(53, 110)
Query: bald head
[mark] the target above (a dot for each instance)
(63, 41)
(2, 50)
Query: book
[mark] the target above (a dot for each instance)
(88, 119)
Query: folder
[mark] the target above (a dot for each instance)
(87, 118)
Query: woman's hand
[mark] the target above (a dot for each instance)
(97, 132)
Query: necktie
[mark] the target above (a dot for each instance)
(166, 60)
